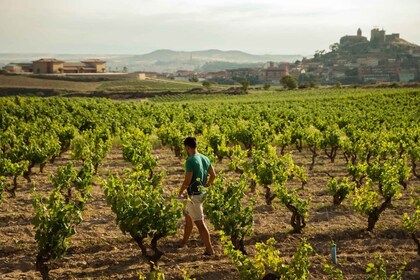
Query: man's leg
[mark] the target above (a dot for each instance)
(187, 229)
(205, 236)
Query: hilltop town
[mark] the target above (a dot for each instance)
(355, 59)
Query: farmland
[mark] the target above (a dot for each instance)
(88, 86)
(291, 143)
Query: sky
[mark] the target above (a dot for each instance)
(141, 26)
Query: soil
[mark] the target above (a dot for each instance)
(100, 250)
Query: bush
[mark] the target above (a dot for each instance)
(289, 82)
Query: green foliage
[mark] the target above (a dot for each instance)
(340, 189)
(298, 206)
(388, 176)
(42, 148)
(289, 82)
(337, 84)
(14, 169)
(156, 274)
(137, 150)
(333, 271)
(238, 161)
(57, 216)
(268, 167)
(174, 134)
(206, 84)
(226, 210)
(358, 172)
(245, 85)
(266, 86)
(142, 210)
(55, 221)
(68, 179)
(267, 260)
(65, 134)
(366, 198)
(216, 140)
(411, 224)
(92, 145)
(378, 271)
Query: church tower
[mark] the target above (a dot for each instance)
(359, 32)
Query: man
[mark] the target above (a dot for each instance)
(198, 167)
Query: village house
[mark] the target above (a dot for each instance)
(183, 75)
(272, 73)
(213, 75)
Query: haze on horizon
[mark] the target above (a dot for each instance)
(139, 26)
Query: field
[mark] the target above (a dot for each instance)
(99, 250)
(91, 86)
(148, 85)
(28, 82)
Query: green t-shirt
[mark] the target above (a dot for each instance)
(199, 165)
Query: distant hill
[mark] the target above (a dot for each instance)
(216, 55)
(165, 60)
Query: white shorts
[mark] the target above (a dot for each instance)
(194, 207)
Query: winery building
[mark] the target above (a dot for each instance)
(55, 66)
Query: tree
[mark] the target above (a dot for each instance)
(289, 82)
(245, 85)
(206, 84)
(318, 54)
(193, 79)
(335, 47)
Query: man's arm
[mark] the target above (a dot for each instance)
(212, 176)
(186, 183)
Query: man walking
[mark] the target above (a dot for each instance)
(197, 168)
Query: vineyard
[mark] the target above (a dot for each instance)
(316, 184)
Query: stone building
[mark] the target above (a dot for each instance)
(55, 66)
(95, 65)
(353, 39)
(18, 67)
(377, 36)
(273, 72)
(48, 66)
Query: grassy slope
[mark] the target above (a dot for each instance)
(112, 86)
(28, 82)
(148, 85)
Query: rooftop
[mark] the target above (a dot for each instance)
(49, 60)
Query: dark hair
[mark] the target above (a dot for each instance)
(190, 142)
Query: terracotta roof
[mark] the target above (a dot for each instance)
(95, 60)
(73, 64)
(49, 60)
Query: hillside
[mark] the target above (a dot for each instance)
(9, 83)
